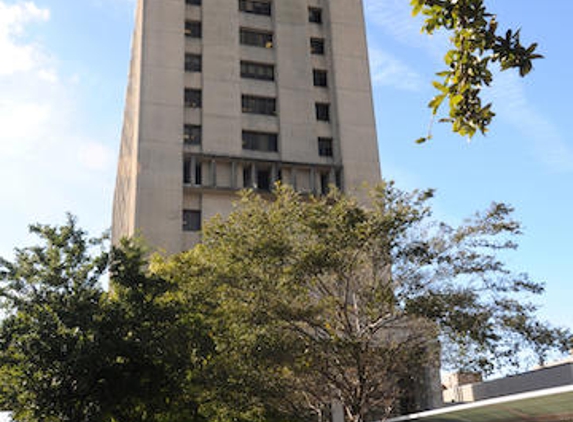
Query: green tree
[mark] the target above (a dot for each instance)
(314, 299)
(70, 351)
(475, 46)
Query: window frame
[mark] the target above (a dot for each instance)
(317, 46)
(193, 29)
(193, 63)
(191, 220)
(325, 147)
(255, 104)
(260, 141)
(256, 7)
(315, 15)
(257, 71)
(192, 134)
(193, 98)
(256, 38)
(322, 112)
(320, 78)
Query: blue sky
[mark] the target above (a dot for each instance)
(62, 83)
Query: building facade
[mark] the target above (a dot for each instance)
(232, 94)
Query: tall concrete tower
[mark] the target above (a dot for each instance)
(232, 94)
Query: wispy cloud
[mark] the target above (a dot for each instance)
(47, 163)
(388, 70)
(512, 105)
(395, 18)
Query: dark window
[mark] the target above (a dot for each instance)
(247, 176)
(192, 134)
(191, 220)
(317, 46)
(193, 2)
(257, 7)
(260, 141)
(258, 105)
(314, 15)
(322, 112)
(193, 29)
(265, 72)
(187, 171)
(324, 182)
(193, 98)
(325, 147)
(256, 38)
(319, 77)
(263, 179)
(193, 62)
(198, 173)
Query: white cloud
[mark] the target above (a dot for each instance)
(511, 105)
(388, 70)
(16, 56)
(48, 163)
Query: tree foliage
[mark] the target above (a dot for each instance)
(476, 45)
(314, 299)
(71, 352)
(284, 307)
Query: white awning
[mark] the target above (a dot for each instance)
(549, 405)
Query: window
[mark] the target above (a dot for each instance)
(324, 183)
(257, 7)
(260, 141)
(258, 105)
(325, 147)
(191, 220)
(193, 98)
(192, 134)
(251, 70)
(193, 29)
(263, 179)
(315, 15)
(198, 173)
(319, 77)
(256, 38)
(193, 62)
(317, 46)
(189, 170)
(322, 112)
(193, 2)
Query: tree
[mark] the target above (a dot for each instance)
(476, 45)
(314, 299)
(70, 351)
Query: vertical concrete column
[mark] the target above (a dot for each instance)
(221, 78)
(294, 71)
(352, 92)
(160, 154)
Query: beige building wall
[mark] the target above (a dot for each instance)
(161, 177)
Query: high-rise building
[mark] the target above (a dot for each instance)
(232, 94)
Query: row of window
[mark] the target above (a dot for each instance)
(253, 37)
(253, 104)
(253, 70)
(262, 7)
(254, 141)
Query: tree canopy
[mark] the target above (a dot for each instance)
(476, 45)
(315, 299)
(285, 306)
(71, 352)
